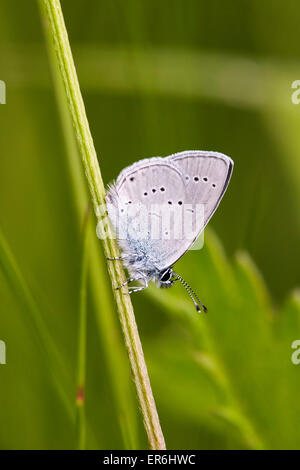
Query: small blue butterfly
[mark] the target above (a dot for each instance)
(181, 183)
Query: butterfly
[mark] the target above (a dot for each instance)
(161, 193)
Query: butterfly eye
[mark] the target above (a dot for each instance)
(205, 179)
(131, 178)
(145, 194)
(180, 203)
(162, 189)
(166, 276)
(213, 185)
(153, 190)
(196, 178)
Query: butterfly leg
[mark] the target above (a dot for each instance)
(137, 289)
(130, 279)
(123, 256)
(134, 289)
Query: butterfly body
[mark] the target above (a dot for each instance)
(154, 206)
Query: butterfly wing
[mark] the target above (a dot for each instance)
(165, 193)
(207, 175)
(140, 194)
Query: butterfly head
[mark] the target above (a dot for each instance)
(165, 278)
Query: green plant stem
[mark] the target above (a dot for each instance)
(125, 402)
(59, 35)
(45, 341)
(81, 372)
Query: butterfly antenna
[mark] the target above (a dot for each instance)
(191, 293)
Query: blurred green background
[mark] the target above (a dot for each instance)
(157, 78)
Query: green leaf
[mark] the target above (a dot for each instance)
(236, 358)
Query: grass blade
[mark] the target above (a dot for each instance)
(57, 30)
(105, 313)
(21, 290)
(81, 372)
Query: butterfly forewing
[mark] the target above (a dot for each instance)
(207, 175)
